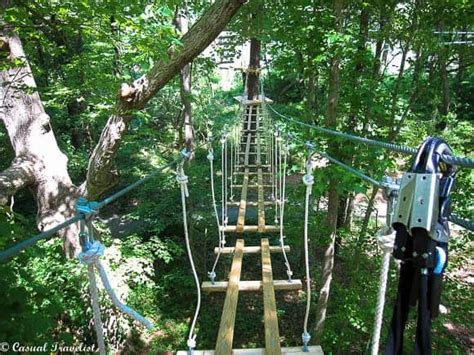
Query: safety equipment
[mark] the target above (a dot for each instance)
(421, 242)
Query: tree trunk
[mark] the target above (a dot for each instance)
(368, 213)
(254, 68)
(40, 164)
(333, 196)
(182, 23)
(443, 108)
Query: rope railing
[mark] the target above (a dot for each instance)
(453, 160)
(95, 206)
(452, 218)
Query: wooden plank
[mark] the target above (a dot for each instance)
(251, 203)
(243, 193)
(252, 286)
(298, 350)
(251, 229)
(252, 249)
(226, 328)
(243, 203)
(251, 173)
(261, 197)
(272, 334)
(252, 166)
(252, 186)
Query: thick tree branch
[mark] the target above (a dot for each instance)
(20, 174)
(100, 175)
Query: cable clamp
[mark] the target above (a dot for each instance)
(186, 154)
(306, 338)
(85, 207)
(309, 145)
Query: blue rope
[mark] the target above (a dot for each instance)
(84, 209)
(17, 248)
(469, 225)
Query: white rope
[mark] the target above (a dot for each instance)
(308, 180)
(222, 141)
(231, 166)
(289, 272)
(212, 273)
(96, 309)
(91, 257)
(226, 177)
(183, 181)
(115, 300)
(275, 172)
(385, 239)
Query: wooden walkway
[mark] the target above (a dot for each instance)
(252, 162)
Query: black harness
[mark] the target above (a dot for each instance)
(421, 243)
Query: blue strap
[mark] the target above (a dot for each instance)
(440, 261)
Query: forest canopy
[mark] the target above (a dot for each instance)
(97, 95)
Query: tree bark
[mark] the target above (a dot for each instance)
(101, 175)
(40, 164)
(254, 67)
(182, 24)
(333, 196)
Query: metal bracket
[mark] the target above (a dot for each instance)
(417, 205)
(405, 199)
(425, 209)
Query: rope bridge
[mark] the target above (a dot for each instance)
(253, 164)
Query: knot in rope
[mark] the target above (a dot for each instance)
(223, 138)
(183, 180)
(308, 180)
(86, 207)
(92, 253)
(306, 338)
(386, 238)
(210, 156)
(191, 344)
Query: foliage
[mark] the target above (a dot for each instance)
(81, 51)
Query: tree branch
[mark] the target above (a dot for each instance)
(18, 175)
(100, 175)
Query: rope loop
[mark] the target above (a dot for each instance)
(92, 253)
(210, 156)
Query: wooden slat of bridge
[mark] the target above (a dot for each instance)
(243, 193)
(297, 350)
(267, 284)
(226, 328)
(252, 249)
(272, 333)
(250, 286)
(261, 197)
